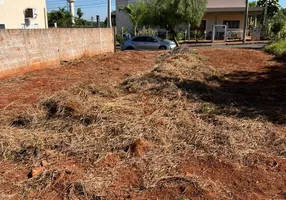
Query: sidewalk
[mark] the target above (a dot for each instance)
(193, 43)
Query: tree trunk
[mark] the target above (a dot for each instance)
(172, 32)
(135, 29)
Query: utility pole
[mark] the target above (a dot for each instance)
(264, 25)
(91, 20)
(109, 24)
(245, 20)
(97, 21)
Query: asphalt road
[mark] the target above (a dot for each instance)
(244, 46)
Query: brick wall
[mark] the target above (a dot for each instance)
(26, 50)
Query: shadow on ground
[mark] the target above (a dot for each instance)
(244, 93)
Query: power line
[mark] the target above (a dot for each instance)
(82, 5)
(80, 2)
(53, 5)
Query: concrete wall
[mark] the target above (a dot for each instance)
(26, 50)
(12, 13)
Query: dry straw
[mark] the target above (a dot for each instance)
(152, 122)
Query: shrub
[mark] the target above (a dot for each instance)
(180, 35)
(277, 48)
(119, 39)
(277, 27)
(147, 31)
(123, 30)
(283, 32)
(196, 34)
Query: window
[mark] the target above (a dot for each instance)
(150, 39)
(2, 26)
(232, 24)
(1, 1)
(144, 39)
(138, 39)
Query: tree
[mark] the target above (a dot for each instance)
(78, 20)
(79, 13)
(62, 17)
(170, 13)
(278, 24)
(252, 4)
(283, 11)
(277, 27)
(135, 13)
(272, 8)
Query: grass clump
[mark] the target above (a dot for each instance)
(277, 48)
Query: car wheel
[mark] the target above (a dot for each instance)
(129, 48)
(162, 48)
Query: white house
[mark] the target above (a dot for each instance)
(18, 14)
(219, 12)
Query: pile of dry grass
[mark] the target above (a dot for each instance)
(148, 121)
(172, 71)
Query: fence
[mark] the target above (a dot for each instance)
(26, 50)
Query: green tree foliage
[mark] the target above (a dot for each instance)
(79, 13)
(79, 22)
(272, 9)
(283, 11)
(170, 13)
(252, 4)
(135, 12)
(62, 17)
(277, 27)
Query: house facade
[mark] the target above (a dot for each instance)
(219, 12)
(230, 13)
(20, 14)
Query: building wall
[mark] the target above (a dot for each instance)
(226, 3)
(30, 49)
(218, 18)
(12, 13)
(122, 20)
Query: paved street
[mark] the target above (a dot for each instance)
(244, 46)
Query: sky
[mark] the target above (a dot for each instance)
(91, 8)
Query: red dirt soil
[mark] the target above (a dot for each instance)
(23, 90)
(258, 180)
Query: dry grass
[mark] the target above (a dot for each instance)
(149, 122)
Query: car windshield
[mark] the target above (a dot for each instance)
(137, 39)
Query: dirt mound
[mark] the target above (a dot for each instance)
(170, 73)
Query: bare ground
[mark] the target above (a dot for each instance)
(195, 127)
(23, 90)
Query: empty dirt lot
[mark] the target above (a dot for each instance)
(23, 90)
(208, 124)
